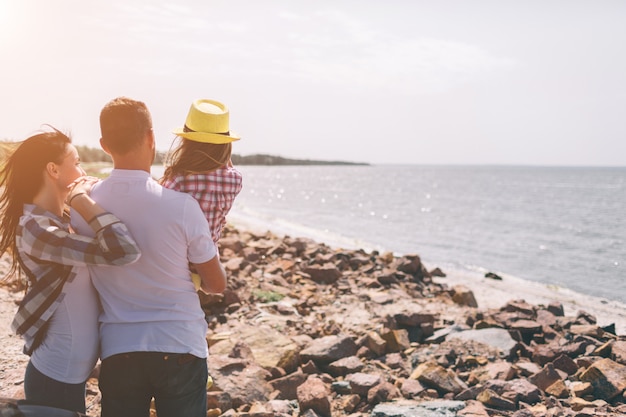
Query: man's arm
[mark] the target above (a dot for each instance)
(212, 276)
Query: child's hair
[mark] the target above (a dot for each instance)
(192, 157)
(21, 178)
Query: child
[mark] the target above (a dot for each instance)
(201, 166)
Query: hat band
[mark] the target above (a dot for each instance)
(187, 129)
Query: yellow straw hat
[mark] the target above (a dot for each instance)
(207, 121)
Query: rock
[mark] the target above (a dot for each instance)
(287, 386)
(361, 383)
(520, 306)
(397, 340)
(411, 388)
(546, 377)
(341, 387)
(556, 308)
(491, 399)
(558, 389)
(281, 408)
(527, 368)
(325, 274)
(437, 272)
(473, 409)
(566, 364)
(243, 380)
(345, 366)
(350, 402)
(618, 351)
(269, 347)
(500, 370)
(375, 343)
(414, 409)
(219, 399)
(586, 330)
(524, 390)
(442, 334)
(314, 395)
(607, 377)
(492, 275)
(412, 265)
(329, 349)
(580, 389)
(463, 296)
(497, 338)
(382, 392)
(542, 354)
(439, 378)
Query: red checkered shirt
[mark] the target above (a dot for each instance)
(215, 191)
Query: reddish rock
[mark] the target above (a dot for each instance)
(546, 318)
(382, 392)
(491, 399)
(607, 377)
(520, 306)
(439, 378)
(463, 296)
(411, 388)
(375, 343)
(397, 340)
(287, 386)
(546, 377)
(361, 383)
(345, 366)
(586, 330)
(325, 274)
(314, 395)
(329, 349)
(500, 370)
(618, 351)
(558, 390)
(566, 364)
(473, 409)
(523, 391)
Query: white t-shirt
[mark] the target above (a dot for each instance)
(152, 305)
(69, 351)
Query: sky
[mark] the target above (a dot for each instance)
(534, 82)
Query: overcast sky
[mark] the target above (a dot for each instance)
(424, 82)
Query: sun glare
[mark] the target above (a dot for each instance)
(8, 15)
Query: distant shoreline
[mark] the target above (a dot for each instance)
(262, 159)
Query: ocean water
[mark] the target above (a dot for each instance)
(560, 226)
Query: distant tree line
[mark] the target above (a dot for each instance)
(261, 159)
(89, 154)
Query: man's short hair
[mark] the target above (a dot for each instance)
(124, 123)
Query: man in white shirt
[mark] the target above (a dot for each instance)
(152, 327)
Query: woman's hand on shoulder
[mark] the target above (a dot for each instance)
(81, 185)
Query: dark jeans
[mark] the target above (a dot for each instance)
(176, 381)
(42, 390)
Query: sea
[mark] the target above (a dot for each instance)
(561, 226)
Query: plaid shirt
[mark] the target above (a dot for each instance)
(215, 191)
(48, 253)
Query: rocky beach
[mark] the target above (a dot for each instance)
(313, 330)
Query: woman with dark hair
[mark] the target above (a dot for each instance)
(58, 317)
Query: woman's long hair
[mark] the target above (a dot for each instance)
(21, 178)
(192, 157)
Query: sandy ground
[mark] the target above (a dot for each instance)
(12, 360)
